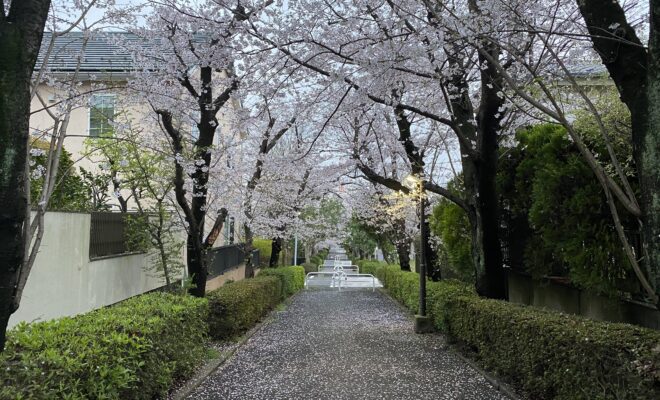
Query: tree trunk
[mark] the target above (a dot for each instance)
(197, 268)
(648, 163)
(486, 251)
(14, 120)
(387, 256)
(488, 214)
(21, 31)
(402, 244)
(479, 171)
(162, 252)
(276, 248)
(248, 248)
(431, 257)
(403, 251)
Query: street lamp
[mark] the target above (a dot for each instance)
(422, 321)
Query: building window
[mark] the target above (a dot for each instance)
(101, 114)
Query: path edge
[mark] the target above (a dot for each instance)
(213, 365)
(498, 384)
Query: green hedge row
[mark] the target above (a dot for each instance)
(133, 350)
(549, 355)
(236, 307)
(137, 348)
(293, 278)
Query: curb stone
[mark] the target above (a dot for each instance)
(214, 365)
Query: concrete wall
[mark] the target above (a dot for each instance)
(234, 274)
(524, 290)
(65, 282)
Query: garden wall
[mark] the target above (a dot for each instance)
(235, 274)
(64, 282)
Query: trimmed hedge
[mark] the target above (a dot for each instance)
(369, 266)
(311, 267)
(547, 354)
(557, 356)
(237, 307)
(133, 350)
(293, 278)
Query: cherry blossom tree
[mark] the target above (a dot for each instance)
(414, 57)
(190, 72)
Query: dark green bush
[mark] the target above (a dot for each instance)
(133, 350)
(547, 354)
(315, 260)
(293, 278)
(238, 307)
(556, 356)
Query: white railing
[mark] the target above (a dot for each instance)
(350, 267)
(338, 277)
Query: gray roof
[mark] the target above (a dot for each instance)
(100, 57)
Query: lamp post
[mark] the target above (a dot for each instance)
(422, 321)
(295, 240)
(295, 249)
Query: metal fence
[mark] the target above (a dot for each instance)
(108, 235)
(222, 259)
(256, 258)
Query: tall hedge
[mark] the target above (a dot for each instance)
(546, 354)
(133, 350)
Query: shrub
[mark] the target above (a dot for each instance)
(556, 356)
(265, 249)
(369, 266)
(237, 307)
(315, 260)
(293, 278)
(310, 267)
(404, 287)
(547, 354)
(133, 350)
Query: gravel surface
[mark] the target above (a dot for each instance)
(354, 344)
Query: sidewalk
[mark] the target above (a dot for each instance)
(354, 344)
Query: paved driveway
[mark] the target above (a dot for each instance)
(354, 344)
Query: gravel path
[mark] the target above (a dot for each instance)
(344, 345)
